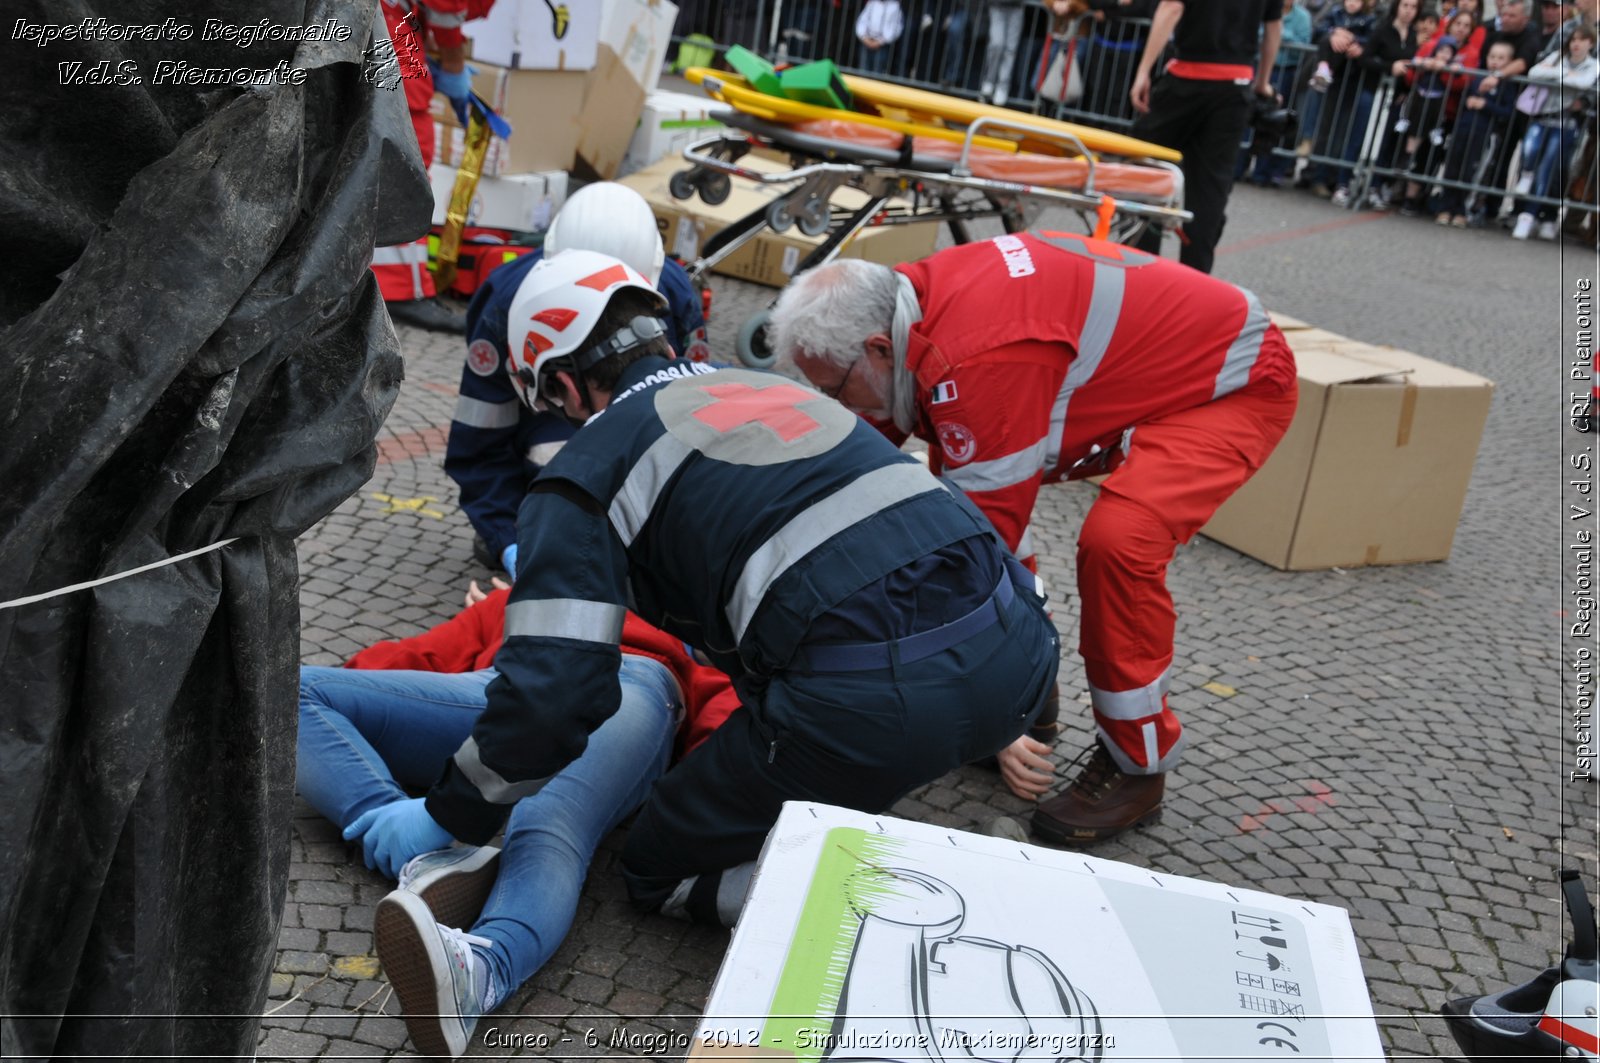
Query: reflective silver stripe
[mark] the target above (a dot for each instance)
(1241, 357)
(565, 618)
(476, 413)
(400, 255)
(646, 480)
(1133, 704)
(443, 20)
(1147, 735)
(490, 783)
(998, 473)
(1094, 338)
(866, 495)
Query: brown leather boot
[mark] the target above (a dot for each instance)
(1099, 804)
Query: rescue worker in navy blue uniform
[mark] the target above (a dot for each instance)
(497, 445)
(878, 633)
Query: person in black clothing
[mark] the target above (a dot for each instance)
(1482, 113)
(1202, 104)
(1514, 23)
(1392, 42)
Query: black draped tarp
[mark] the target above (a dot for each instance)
(192, 349)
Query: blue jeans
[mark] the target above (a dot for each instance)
(1545, 151)
(1346, 143)
(874, 61)
(956, 69)
(366, 734)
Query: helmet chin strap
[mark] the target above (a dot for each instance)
(638, 332)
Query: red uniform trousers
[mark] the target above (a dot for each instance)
(1180, 468)
(402, 270)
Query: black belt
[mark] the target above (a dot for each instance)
(866, 656)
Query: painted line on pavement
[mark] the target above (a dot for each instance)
(1268, 239)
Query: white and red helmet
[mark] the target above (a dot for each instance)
(612, 219)
(558, 305)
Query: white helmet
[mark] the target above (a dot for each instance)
(614, 220)
(558, 305)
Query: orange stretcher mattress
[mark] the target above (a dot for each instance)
(1151, 183)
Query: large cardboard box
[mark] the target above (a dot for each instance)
(770, 258)
(535, 35)
(543, 108)
(639, 32)
(611, 105)
(670, 122)
(872, 938)
(1374, 468)
(523, 202)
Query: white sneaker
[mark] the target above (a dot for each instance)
(1000, 97)
(454, 883)
(1547, 230)
(1341, 197)
(1525, 184)
(441, 982)
(1524, 227)
(987, 90)
(1322, 78)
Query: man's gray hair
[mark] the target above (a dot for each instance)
(829, 312)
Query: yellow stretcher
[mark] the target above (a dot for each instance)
(920, 157)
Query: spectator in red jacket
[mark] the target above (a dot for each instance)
(384, 721)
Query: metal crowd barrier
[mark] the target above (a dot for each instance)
(1376, 145)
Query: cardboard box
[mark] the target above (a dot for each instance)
(1374, 468)
(639, 32)
(770, 258)
(450, 147)
(523, 202)
(534, 35)
(543, 108)
(872, 938)
(670, 122)
(611, 105)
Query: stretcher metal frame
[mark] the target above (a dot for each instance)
(901, 189)
(932, 190)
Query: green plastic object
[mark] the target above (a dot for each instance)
(754, 69)
(696, 50)
(816, 83)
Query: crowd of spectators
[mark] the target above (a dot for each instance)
(1485, 105)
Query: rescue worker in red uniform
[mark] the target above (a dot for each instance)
(1029, 359)
(402, 271)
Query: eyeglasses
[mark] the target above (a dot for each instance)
(834, 394)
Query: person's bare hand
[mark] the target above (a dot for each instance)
(1474, 103)
(1139, 94)
(1354, 51)
(1026, 768)
(476, 594)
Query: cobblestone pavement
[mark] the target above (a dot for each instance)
(1392, 740)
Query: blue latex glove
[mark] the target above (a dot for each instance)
(457, 86)
(392, 834)
(508, 560)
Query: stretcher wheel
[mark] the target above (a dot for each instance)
(753, 350)
(714, 188)
(814, 217)
(779, 219)
(682, 184)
